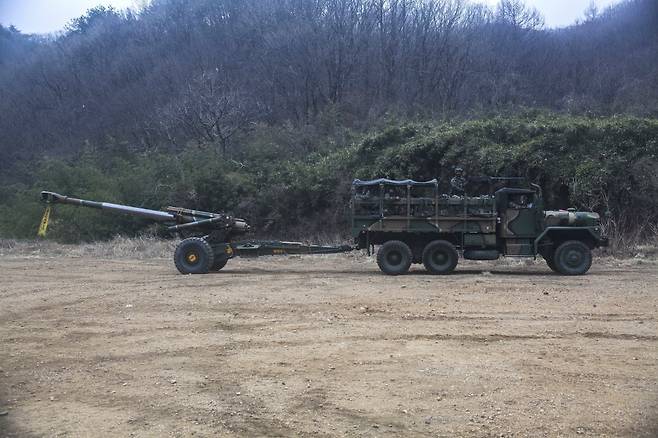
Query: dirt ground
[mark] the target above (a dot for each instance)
(325, 346)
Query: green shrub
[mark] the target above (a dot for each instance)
(608, 164)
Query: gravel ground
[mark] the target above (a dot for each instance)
(325, 346)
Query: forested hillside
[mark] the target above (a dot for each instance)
(268, 108)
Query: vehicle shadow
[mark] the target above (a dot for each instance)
(372, 272)
(7, 428)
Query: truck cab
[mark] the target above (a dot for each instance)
(412, 222)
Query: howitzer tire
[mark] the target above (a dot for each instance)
(194, 256)
(394, 257)
(440, 257)
(573, 257)
(219, 263)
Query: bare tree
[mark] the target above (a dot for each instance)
(203, 70)
(210, 111)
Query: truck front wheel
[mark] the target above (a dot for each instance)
(440, 257)
(572, 257)
(394, 257)
(549, 256)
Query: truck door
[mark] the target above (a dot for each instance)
(519, 223)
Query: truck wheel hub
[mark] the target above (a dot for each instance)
(573, 258)
(394, 258)
(440, 258)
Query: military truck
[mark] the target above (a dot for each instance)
(413, 223)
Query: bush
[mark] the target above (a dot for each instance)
(603, 164)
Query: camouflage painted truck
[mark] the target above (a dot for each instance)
(413, 223)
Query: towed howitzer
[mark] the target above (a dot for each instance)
(209, 242)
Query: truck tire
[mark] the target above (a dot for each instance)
(549, 256)
(573, 257)
(194, 256)
(551, 262)
(394, 257)
(440, 257)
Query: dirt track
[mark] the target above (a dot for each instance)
(327, 346)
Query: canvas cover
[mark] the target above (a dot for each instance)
(393, 182)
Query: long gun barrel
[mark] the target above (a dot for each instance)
(179, 219)
(160, 216)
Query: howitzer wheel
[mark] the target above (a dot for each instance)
(194, 256)
(440, 257)
(394, 257)
(573, 257)
(219, 263)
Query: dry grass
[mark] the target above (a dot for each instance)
(150, 247)
(631, 240)
(142, 247)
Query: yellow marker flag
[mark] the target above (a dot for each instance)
(44, 222)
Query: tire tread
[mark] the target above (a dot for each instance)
(406, 253)
(563, 269)
(205, 247)
(427, 254)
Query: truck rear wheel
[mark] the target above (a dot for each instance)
(394, 257)
(194, 256)
(572, 257)
(440, 257)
